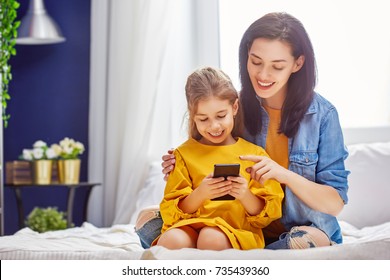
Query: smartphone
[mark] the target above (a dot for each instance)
(225, 170)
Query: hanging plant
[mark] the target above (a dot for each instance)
(8, 34)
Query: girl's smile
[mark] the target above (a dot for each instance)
(218, 134)
(214, 120)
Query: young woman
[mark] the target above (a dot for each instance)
(298, 128)
(191, 215)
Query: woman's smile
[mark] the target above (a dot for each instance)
(264, 85)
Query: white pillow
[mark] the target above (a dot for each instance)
(153, 191)
(369, 185)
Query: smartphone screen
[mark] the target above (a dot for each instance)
(225, 170)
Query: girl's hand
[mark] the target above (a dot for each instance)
(265, 169)
(168, 163)
(213, 187)
(209, 188)
(252, 204)
(240, 188)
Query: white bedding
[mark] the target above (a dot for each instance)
(121, 242)
(85, 242)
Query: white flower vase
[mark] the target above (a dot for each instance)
(69, 171)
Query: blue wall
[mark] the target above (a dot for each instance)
(49, 101)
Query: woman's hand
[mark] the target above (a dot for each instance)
(319, 197)
(168, 163)
(265, 169)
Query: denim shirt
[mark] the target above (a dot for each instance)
(317, 152)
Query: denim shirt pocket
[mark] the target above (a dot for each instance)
(304, 164)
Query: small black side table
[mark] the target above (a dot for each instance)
(71, 193)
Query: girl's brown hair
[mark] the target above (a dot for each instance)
(205, 83)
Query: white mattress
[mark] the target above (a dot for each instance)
(121, 242)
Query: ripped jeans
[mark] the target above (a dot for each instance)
(296, 238)
(148, 226)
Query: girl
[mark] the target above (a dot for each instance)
(191, 218)
(299, 129)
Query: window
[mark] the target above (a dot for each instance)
(352, 46)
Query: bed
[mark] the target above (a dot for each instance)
(365, 224)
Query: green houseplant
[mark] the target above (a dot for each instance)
(8, 34)
(46, 219)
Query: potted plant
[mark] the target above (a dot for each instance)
(68, 152)
(46, 219)
(41, 157)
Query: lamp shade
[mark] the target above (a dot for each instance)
(37, 27)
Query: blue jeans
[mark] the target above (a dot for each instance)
(149, 231)
(294, 239)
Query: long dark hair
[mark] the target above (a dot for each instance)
(300, 90)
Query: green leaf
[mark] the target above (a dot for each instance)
(8, 34)
(46, 219)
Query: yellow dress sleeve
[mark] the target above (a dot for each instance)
(178, 186)
(272, 193)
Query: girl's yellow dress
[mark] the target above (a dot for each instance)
(194, 161)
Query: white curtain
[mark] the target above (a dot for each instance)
(141, 54)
